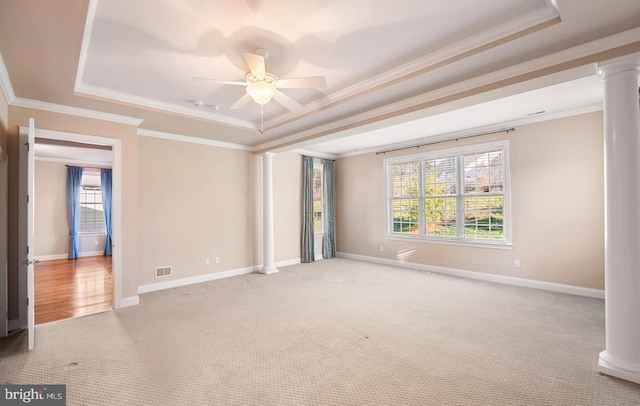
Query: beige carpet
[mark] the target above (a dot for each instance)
(335, 332)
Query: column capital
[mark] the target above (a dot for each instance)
(627, 63)
(268, 155)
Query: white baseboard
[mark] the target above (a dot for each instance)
(65, 256)
(152, 287)
(507, 280)
(129, 301)
(611, 366)
(288, 262)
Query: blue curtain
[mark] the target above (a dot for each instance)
(307, 210)
(106, 186)
(74, 183)
(329, 209)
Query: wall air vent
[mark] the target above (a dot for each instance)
(163, 271)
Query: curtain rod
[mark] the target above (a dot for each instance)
(322, 159)
(507, 130)
(96, 168)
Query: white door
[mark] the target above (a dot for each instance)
(26, 244)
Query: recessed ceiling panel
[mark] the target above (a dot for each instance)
(147, 51)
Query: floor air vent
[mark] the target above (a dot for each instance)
(163, 271)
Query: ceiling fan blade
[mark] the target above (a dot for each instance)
(256, 64)
(220, 82)
(241, 102)
(313, 81)
(287, 101)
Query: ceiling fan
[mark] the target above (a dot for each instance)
(262, 86)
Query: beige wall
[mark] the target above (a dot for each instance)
(287, 203)
(51, 229)
(557, 203)
(129, 164)
(195, 203)
(185, 202)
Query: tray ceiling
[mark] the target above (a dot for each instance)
(385, 63)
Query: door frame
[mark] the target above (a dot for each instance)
(4, 254)
(116, 213)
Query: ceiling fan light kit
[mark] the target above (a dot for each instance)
(262, 89)
(263, 86)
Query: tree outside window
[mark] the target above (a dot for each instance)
(458, 194)
(317, 198)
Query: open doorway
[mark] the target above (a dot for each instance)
(66, 288)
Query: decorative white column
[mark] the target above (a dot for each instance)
(621, 357)
(269, 265)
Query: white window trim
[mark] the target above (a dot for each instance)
(476, 148)
(93, 232)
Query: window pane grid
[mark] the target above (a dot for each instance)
(405, 179)
(484, 217)
(484, 172)
(440, 177)
(459, 197)
(405, 216)
(440, 217)
(91, 211)
(317, 199)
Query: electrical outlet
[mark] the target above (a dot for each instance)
(206, 261)
(217, 260)
(516, 263)
(381, 248)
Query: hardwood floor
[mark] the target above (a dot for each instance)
(66, 288)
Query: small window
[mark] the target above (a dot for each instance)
(451, 195)
(91, 208)
(317, 198)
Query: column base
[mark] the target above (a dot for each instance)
(268, 270)
(610, 366)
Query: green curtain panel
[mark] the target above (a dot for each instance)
(329, 208)
(307, 210)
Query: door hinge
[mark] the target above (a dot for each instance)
(26, 144)
(27, 198)
(27, 301)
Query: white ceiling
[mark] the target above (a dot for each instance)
(573, 97)
(397, 72)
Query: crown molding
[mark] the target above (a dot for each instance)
(12, 100)
(109, 95)
(508, 31)
(74, 111)
(567, 59)
(5, 83)
(86, 39)
(193, 140)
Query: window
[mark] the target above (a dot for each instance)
(91, 208)
(317, 197)
(454, 195)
